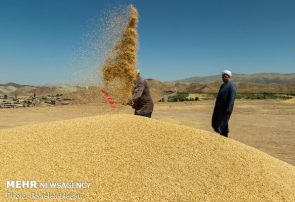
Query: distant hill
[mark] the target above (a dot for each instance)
(248, 83)
(260, 78)
(212, 84)
(12, 84)
(13, 89)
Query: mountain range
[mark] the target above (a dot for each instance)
(248, 83)
(259, 78)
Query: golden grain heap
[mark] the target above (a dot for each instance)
(119, 69)
(140, 159)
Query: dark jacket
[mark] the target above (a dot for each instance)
(142, 100)
(223, 107)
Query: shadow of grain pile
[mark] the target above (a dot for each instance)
(131, 158)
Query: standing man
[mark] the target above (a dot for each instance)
(141, 98)
(224, 104)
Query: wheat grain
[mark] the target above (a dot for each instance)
(119, 69)
(131, 158)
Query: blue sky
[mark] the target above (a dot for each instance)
(39, 39)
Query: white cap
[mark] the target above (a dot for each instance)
(226, 72)
(138, 71)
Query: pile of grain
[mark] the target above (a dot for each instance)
(131, 158)
(119, 69)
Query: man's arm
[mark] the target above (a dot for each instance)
(232, 96)
(138, 90)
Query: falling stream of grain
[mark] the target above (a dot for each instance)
(108, 57)
(119, 69)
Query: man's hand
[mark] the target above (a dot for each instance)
(130, 102)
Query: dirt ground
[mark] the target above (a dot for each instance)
(266, 125)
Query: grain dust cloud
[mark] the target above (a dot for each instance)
(119, 69)
(108, 57)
